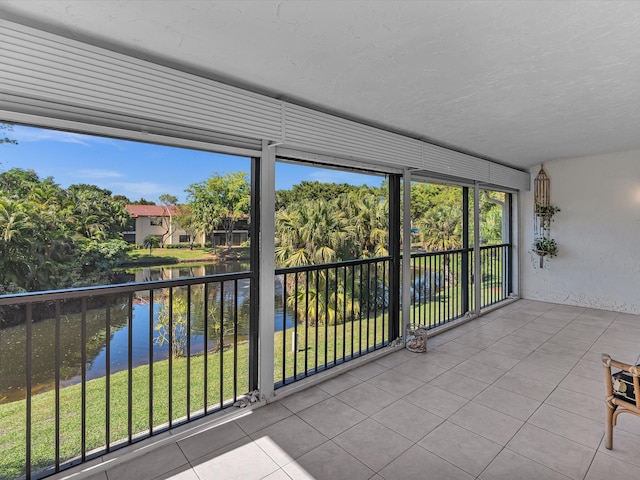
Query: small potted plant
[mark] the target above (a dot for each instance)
(545, 247)
(545, 214)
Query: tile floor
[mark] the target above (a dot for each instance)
(516, 394)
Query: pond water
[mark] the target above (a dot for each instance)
(13, 339)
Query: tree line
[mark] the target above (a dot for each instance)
(51, 237)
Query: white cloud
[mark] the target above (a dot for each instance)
(29, 134)
(137, 189)
(96, 173)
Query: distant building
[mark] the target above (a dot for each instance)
(161, 221)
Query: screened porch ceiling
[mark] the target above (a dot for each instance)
(514, 82)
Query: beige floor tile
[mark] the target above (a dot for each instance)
(588, 369)
(328, 461)
(484, 421)
(331, 417)
(369, 370)
(262, 417)
(408, 420)
(99, 476)
(586, 386)
(458, 349)
(277, 475)
(628, 423)
(542, 373)
(339, 384)
(210, 440)
(479, 371)
(241, 460)
(476, 341)
(366, 398)
(304, 399)
(441, 359)
(625, 447)
(507, 402)
(574, 402)
(548, 357)
(545, 326)
(150, 465)
(524, 342)
(418, 463)
(569, 425)
(526, 386)
(373, 444)
(460, 385)
(605, 467)
(531, 334)
(182, 473)
(495, 360)
(395, 383)
(420, 370)
(396, 358)
(465, 449)
(288, 439)
(509, 465)
(516, 351)
(436, 400)
(556, 452)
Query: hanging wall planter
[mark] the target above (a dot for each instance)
(543, 212)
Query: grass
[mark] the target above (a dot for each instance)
(287, 363)
(12, 415)
(170, 256)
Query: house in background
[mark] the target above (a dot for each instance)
(158, 220)
(161, 221)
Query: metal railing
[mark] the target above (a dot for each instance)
(443, 283)
(496, 273)
(329, 314)
(104, 367)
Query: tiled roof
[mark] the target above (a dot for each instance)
(152, 210)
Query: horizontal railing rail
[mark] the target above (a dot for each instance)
(328, 314)
(105, 367)
(84, 292)
(443, 282)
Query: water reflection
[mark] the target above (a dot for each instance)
(145, 323)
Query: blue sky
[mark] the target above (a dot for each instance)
(137, 169)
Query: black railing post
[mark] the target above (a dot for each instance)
(254, 263)
(394, 252)
(465, 250)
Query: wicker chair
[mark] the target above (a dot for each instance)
(617, 402)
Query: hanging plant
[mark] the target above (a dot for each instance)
(545, 213)
(545, 247)
(546, 210)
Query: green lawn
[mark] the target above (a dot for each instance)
(168, 256)
(12, 415)
(310, 342)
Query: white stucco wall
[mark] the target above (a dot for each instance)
(598, 234)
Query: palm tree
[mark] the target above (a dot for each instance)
(309, 233)
(440, 230)
(151, 242)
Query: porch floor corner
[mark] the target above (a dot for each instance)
(515, 394)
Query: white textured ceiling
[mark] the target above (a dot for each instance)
(514, 81)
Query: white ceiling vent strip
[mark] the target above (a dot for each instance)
(455, 164)
(51, 76)
(332, 134)
(42, 65)
(509, 177)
